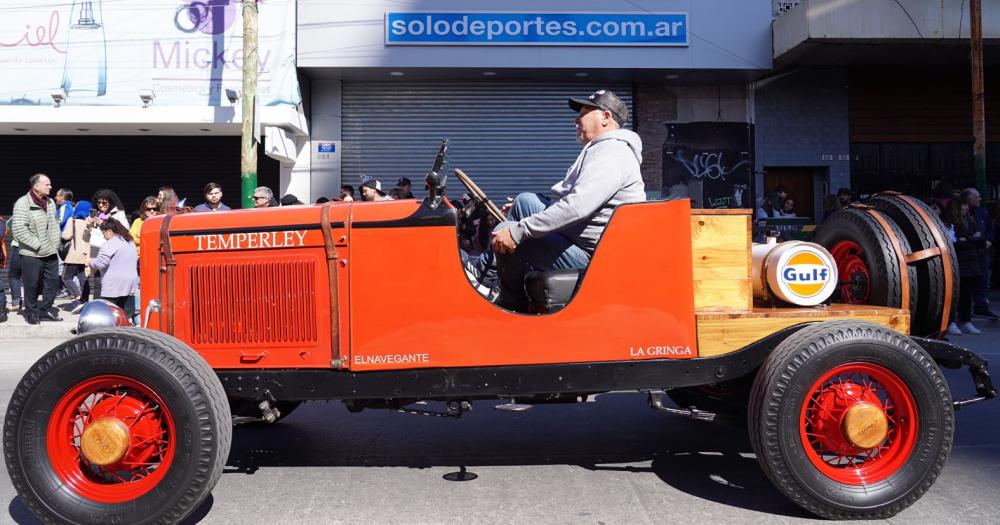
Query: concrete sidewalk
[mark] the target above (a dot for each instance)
(17, 328)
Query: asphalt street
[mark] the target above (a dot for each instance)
(607, 462)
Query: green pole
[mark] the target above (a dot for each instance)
(248, 147)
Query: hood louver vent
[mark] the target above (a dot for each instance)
(254, 302)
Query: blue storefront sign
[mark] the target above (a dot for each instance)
(537, 29)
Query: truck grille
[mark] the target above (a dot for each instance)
(253, 302)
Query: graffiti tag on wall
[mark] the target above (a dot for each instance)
(708, 165)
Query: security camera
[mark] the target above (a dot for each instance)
(146, 96)
(232, 95)
(58, 97)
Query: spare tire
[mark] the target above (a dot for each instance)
(868, 265)
(932, 297)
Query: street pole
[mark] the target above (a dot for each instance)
(248, 147)
(978, 105)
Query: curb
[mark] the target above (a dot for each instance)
(46, 330)
(17, 328)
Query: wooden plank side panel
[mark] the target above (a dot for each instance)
(720, 249)
(720, 232)
(720, 264)
(721, 331)
(724, 293)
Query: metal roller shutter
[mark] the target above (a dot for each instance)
(509, 137)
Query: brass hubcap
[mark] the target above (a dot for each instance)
(865, 425)
(105, 441)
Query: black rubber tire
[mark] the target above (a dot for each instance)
(885, 282)
(926, 318)
(248, 408)
(782, 386)
(174, 371)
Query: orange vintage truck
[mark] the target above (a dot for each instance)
(249, 313)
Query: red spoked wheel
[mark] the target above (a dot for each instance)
(850, 420)
(111, 439)
(859, 423)
(117, 426)
(855, 278)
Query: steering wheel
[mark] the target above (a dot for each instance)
(479, 196)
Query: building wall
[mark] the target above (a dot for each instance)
(352, 34)
(802, 121)
(659, 104)
(325, 126)
(880, 21)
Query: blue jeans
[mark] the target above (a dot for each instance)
(552, 252)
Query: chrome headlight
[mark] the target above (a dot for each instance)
(99, 314)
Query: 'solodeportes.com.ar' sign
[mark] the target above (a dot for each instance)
(537, 29)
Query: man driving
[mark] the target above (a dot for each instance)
(547, 234)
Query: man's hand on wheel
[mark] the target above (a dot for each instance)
(503, 243)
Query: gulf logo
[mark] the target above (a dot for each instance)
(806, 274)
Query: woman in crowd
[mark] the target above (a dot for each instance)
(968, 242)
(108, 208)
(788, 208)
(148, 208)
(108, 205)
(117, 262)
(166, 199)
(75, 265)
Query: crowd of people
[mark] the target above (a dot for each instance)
(781, 204)
(778, 204)
(75, 249)
(80, 249)
(971, 228)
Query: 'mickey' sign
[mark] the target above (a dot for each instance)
(537, 29)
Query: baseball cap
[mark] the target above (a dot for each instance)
(373, 183)
(603, 99)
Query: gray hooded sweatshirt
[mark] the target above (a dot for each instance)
(605, 175)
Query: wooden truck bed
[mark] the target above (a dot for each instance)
(726, 316)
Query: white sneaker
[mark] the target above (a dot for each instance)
(953, 329)
(969, 328)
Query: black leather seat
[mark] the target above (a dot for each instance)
(551, 291)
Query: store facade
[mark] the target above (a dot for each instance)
(150, 92)
(384, 83)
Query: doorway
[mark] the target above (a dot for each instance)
(800, 184)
